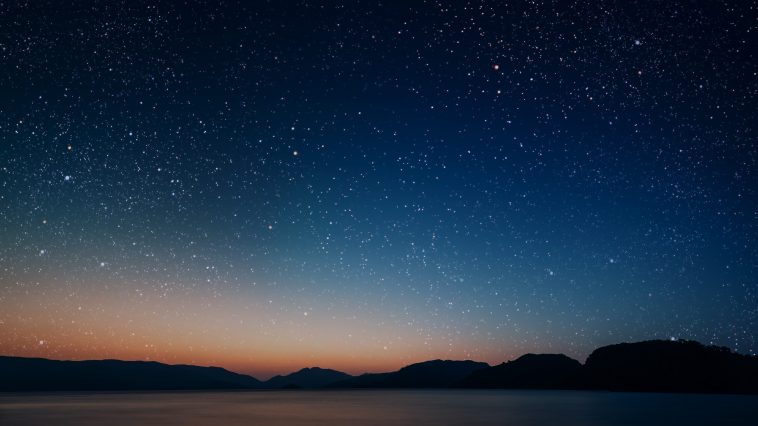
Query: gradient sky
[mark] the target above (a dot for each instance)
(266, 186)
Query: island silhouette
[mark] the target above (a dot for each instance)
(648, 366)
(428, 374)
(307, 378)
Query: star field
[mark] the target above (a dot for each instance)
(270, 185)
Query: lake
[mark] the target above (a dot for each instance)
(378, 407)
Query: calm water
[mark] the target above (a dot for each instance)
(377, 407)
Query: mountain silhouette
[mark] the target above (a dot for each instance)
(39, 374)
(649, 366)
(307, 378)
(429, 374)
(670, 366)
(530, 371)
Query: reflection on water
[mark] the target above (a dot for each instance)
(377, 407)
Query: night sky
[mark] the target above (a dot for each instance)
(266, 186)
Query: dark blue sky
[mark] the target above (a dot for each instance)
(275, 184)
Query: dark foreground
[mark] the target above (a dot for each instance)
(378, 407)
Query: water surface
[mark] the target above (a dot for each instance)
(378, 407)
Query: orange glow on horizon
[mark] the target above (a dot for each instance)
(252, 338)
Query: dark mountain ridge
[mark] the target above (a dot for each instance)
(670, 366)
(307, 378)
(39, 374)
(649, 366)
(530, 371)
(429, 374)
